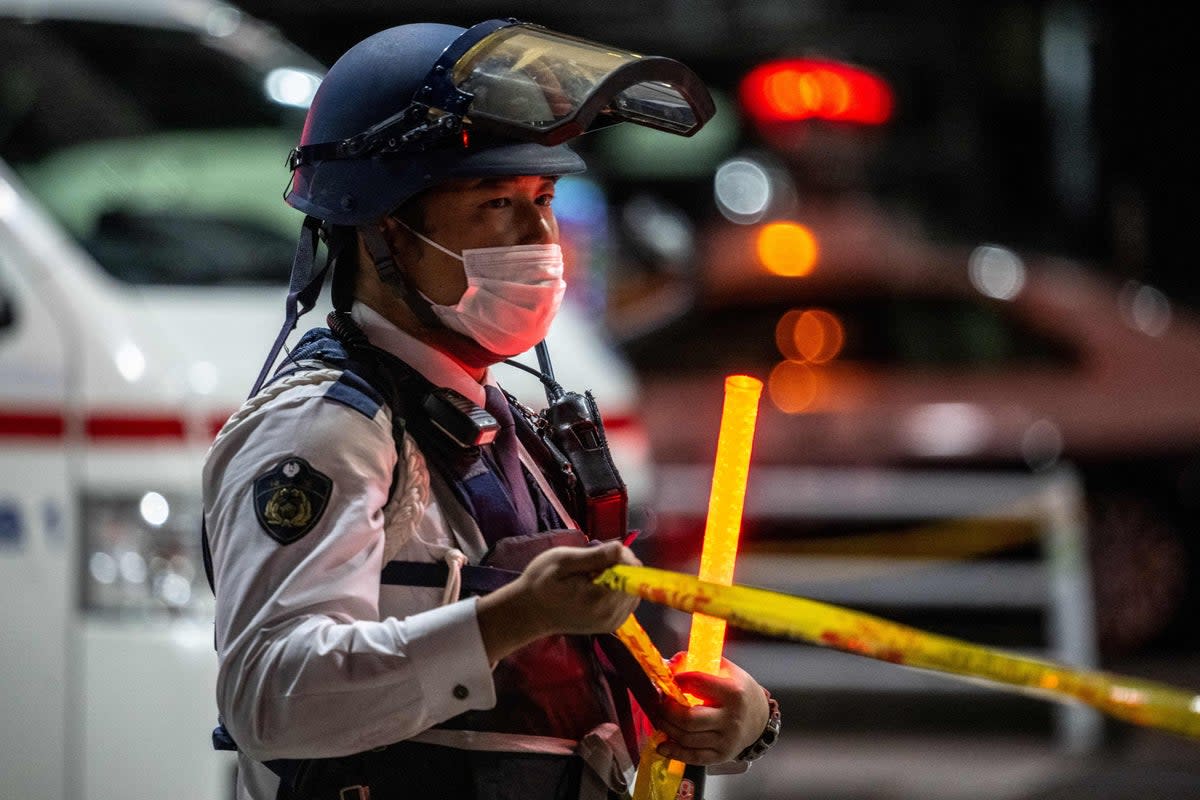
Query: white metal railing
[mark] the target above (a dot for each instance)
(1058, 585)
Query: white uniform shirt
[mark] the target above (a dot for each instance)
(318, 659)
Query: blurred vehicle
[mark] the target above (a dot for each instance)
(144, 247)
(883, 346)
(894, 351)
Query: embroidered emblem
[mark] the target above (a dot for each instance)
(290, 499)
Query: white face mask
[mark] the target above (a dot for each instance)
(512, 295)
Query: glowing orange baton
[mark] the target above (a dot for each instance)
(659, 777)
(725, 501)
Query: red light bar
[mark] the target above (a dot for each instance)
(803, 89)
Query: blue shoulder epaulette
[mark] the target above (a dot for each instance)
(351, 389)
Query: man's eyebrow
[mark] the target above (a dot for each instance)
(505, 180)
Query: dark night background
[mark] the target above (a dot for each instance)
(976, 123)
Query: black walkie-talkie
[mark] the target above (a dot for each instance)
(572, 434)
(465, 423)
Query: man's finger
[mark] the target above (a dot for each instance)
(592, 559)
(715, 690)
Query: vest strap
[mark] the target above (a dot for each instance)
(494, 742)
(475, 579)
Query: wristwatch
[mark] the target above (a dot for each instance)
(769, 735)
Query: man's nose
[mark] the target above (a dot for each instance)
(536, 225)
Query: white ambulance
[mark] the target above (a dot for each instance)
(143, 252)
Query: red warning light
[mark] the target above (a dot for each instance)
(802, 89)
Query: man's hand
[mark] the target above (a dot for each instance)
(732, 718)
(555, 594)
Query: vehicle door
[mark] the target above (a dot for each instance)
(37, 513)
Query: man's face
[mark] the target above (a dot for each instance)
(479, 212)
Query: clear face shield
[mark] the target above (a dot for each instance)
(531, 83)
(510, 80)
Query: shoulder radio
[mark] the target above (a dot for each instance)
(569, 436)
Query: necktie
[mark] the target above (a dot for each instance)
(505, 448)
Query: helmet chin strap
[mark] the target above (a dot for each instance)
(303, 291)
(387, 265)
(383, 256)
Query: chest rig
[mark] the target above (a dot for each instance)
(562, 687)
(566, 440)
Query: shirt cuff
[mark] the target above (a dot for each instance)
(728, 768)
(451, 663)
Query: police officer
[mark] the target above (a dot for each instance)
(403, 595)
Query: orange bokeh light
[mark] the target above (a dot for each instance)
(815, 335)
(787, 248)
(793, 386)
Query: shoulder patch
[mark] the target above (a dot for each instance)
(351, 390)
(290, 498)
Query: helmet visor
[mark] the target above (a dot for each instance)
(532, 83)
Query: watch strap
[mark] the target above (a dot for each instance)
(769, 735)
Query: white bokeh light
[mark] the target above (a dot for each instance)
(133, 567)
(131, 363)
(154, 508)
(742, 190)
(996, 272)
(946, 429)
(175, 590)
(1144, 308)
(291, 87)
(103, 567)
(1042, 444)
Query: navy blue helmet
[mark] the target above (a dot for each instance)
(417, 104)
(370, 83)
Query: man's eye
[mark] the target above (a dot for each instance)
(498, 202)
(545, 199)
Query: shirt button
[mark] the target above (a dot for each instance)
(461, 692)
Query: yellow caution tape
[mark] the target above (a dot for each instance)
(658, 777)
(1141, 702)
(638, 642)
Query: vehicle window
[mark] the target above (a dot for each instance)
(881, 331)
(958, 333)
(160, 150)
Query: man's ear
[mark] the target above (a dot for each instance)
(406, 247)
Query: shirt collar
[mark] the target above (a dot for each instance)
(437, 367)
